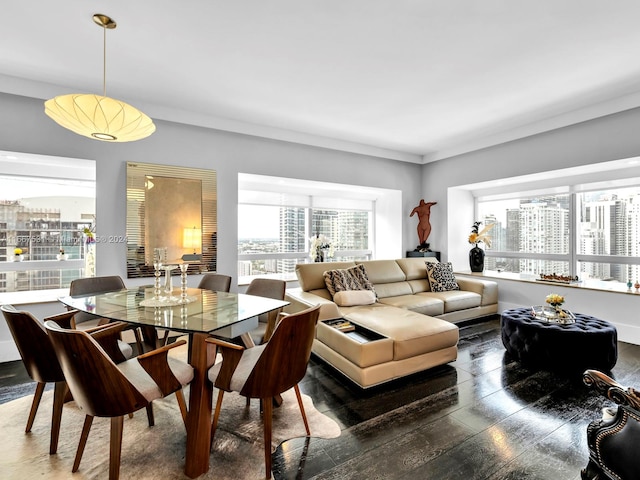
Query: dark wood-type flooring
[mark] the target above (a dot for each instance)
(480, 417)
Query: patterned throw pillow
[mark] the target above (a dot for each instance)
(354, 278)
(441, 277)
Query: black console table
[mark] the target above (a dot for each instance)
(415, 253)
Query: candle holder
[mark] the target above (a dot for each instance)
(183, 282)
(157, 266)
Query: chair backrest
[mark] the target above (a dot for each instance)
(216, 282)
(91, 285)
(270, 288)
(267, 287)
(34, 345)
(96, 383)
(283, 362)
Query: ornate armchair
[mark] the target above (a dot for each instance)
(613, 439)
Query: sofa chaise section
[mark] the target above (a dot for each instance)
(408, 329)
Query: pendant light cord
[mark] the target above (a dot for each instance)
(104, 61)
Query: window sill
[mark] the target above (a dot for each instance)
(591, 284)
(287, 277)
(32, 296)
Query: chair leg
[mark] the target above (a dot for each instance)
(59, 393)
(150, 414)
(267, 413)
(216, 416)
(304, 415)
(88, 420)
(136, 334)
(115, 447)
(183, 406)
(34, 405)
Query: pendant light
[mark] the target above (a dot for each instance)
(98, 116)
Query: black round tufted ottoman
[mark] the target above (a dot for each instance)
(589, 343)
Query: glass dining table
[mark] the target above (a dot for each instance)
(204, 313)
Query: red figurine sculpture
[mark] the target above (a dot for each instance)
(424, 226)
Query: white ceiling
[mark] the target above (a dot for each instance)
(414, 80)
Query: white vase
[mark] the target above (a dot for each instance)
(62, 256)
(18, 258)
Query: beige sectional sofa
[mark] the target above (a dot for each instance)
(408, 329)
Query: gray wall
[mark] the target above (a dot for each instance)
(613, 137)
(25, 128)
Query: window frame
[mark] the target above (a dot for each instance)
(572, 257)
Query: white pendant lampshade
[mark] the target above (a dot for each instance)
(98, 116)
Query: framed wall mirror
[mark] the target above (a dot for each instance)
(172, 213)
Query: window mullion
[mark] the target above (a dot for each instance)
(573, 234)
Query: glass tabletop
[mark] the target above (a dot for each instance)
(206, 311)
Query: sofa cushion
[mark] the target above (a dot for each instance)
(415, 268)
(354, 278)
(427, 305)
(383, 271)
(351, 298)
(412, 333)
(393, 289)
(455, 300)
(441, 277)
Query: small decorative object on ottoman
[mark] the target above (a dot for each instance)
(587, 343)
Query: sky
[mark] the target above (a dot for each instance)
(258, 218)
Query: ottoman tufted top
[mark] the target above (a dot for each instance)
(589, 342)
(583, 323)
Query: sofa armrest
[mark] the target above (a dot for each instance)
(299, 300)
(487, 289)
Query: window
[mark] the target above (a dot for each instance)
(278, 217)
(45, 203)
(589, 230)
(536, 227)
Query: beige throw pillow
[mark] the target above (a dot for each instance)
(351, 298)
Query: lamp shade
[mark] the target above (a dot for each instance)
(99, 117)
(192, 238)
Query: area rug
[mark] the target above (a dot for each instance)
(156, 452)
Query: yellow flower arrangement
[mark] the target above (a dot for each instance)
(17, 251)
(477, 237)
(554, 300)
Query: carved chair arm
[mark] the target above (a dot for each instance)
(231, 355)
(611, 389)
(223, 344)
(156, 364)
(107, 337)
(64, 319)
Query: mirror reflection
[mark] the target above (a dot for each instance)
(170, 210)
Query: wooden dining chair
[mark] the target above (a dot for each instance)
(267, 370)
(216, 282)
(270, 288)
(103, 389)
(102, 284)
(40, 361)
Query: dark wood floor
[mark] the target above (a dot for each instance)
(481, 417)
